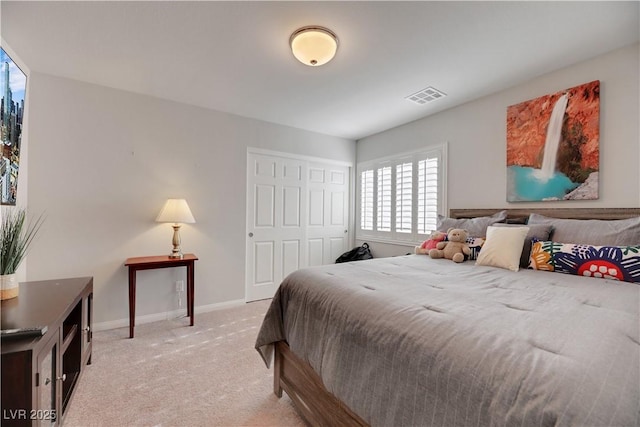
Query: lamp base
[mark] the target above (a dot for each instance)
(176, 253)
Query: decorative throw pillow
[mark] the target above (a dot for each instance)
(503, 247)
(618, 232)
(521, 220)
(474, 226)
(537, 232)
(609, 262)
(475, 244)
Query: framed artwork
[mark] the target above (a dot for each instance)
(553, 146)
(13, 83)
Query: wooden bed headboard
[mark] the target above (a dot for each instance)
(568, 213)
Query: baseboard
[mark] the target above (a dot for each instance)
(156, 317)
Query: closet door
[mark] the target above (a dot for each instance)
(297, 216)
(328, 213)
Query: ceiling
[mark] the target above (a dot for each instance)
(234, 56)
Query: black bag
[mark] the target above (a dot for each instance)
(356, 254)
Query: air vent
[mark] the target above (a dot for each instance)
(426, 95)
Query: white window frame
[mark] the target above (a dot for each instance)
(393, 236)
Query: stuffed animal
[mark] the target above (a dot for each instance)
(455, 248)
(430, 243)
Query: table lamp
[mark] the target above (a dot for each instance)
(178, 212)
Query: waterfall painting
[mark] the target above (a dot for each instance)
(553, 146)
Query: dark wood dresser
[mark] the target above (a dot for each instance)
(39, 375)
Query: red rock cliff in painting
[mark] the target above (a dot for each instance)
(527, 128)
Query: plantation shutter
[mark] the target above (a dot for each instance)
(401, 196)
(404, 175)
(427, 195)
(366, 200)
(384, 199)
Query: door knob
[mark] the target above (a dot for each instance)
(250, 234)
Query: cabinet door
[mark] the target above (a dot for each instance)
(46, 410)
(87, 332)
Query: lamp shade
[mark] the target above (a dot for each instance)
(176, 211)
(313, 45)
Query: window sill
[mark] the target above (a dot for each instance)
(407, 243)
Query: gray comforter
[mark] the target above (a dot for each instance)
(414, 341)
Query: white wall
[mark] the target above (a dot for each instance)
(102, 163)
(476, 133)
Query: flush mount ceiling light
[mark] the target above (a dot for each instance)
(313, 45)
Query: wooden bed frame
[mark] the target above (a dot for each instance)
(565, 213)
(304, 386)
(316, 405)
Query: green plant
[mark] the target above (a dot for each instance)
(16, 236)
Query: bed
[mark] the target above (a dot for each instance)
(411, 341)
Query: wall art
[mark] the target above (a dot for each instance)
(13, 83)
(553, 146)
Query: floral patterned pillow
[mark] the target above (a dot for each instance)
(608, 262)
(475, 244)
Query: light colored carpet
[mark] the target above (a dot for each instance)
(171, 374)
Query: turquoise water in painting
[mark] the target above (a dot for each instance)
(527, 185)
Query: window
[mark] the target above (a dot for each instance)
(401, 196)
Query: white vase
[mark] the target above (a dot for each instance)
(9, 286)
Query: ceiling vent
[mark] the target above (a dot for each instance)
(426, 95)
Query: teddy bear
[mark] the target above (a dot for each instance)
(455, 248)
(430, 243)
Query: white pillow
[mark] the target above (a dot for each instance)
(503, 247)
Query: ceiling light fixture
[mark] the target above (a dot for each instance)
(313, 45)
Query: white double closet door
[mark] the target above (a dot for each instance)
(297, 216)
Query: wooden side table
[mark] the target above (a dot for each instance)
(153, 262)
